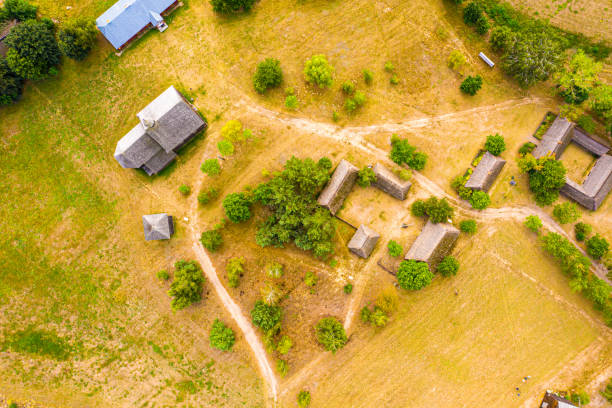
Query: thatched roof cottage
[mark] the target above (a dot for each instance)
(433, 244)
(486, 172)
(556, 138)
(157, 226)
(591, 193)
(363, 241)
(388, 182)
(166, 124)
(340, 185)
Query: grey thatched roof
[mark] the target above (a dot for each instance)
(433, 243)
(596, 186)
(165, 125)
(575, 191)
(157, 226)
(555, 401)
(589, 142)
(341, 183)
(556, 138)
(363, 241)
(388, 182)
(486, 172)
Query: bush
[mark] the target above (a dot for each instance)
(266, 316)
(348, 288)
(456, 60)
(77, 37)
(20, 10)
(365, 315)
(471, 85)
(472, 13)
(448, 266)
(237, 207)
(502, 38)
(378, 317)
(303, 399)
(310, 279)
(546, 177)
(526, 148)
(211, 240)
(211, 167)
(357, 101)
(495, 144)
(436, 210)
(533, 222)
(597, 246)
(601, 101)
(482, 25)
(413, 275)
(566, 213)
(208, 195)
(33, 51)
(366, 177)
(607, 393)
(231, 6)
(579, 397)
(11, 84)
(282, 367)
(163, 275)
(582, 230)
(587, 123)
(184, 190)
(395, 249)
(368, 77)
(234, 269)
(389, 66)
(187, 285)
(221, 337)
(348, 87)
(331, 334)
(291, 102)
(270, 294)
(458, 184)
(318, 71)
(284, 345)
(388, 300)
(394, 80)
(480, 200)
(468, 226)
(403, 152)
(267, 75)
(232, 131)
(275, 270)
(404, 174)
(226, 148)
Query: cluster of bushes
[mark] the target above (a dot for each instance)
(187, 285)
(366, 177)
(437, 210)
(403, 152)
(207, 195)
(232, 132)
(546, 177)
(318, 71)
(330, 334)
(386, 303)
(355, 99)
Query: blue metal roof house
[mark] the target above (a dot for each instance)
(127, 19)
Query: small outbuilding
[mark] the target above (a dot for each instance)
(340, 185)
(388, 182)
(433, 244)
(591, 193)
(552, 400)
(486, 172)
(363, 242)
(556, 139)
(157, 226)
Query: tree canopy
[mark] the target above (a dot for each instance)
(577, 80)
(403, 152)
(268, 75)
(77, 37)
(546, 177)
(33, 50)
(237, 207)
(495, 144)
(11, 84)
(436, 210)
(266, 316)
(231, 6)
(413, 275)
(221, 337)
(318, 71)
(187, 285)
(331, 334)
(20, 10)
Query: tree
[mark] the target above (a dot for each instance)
(577, 80)
(471, 85)
(206, 196)
(318, 71)
(482, 25)
(456, 60)
(284, 345)
(448, 266)
(237, 207)
(546, 177)
(598, 291)
(436, 210)
(11, 84)
(234, 269)
(597, 246)
(77, 37)
(533, 222)
(20, 10)
(221, 337)
(275, 270)
(468, 226)
(211, 167)
(226, 148)
(331, 334)
(33, 50)
(187, 285)
(266, 316)
(566, 213)
(533, 57)
(480, 200)
(303, 399)
(395, 249)
(502, 38)
(268, 75)
(366, 177)
(413, 275)
(403, 152)
(211, 240)
(601, 101)
(495, 144)
(231, 6)
(472, 12)
(582, 230)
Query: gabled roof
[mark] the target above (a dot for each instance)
(552, 400)
(388, 182)
(433, 243)
(556, 138)
(136, 148)
(589, 142)
(124, 19)
(341, 183)
(596, 186)
(363, 241)
(486, 172)
(157, 226)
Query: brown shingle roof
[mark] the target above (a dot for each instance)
(363, 241)
(486, 172)
(341, 183)
(556, 138)
(388, 182)
(433, 243)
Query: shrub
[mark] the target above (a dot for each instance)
(598, 291)
(348, 288)
(232, 131)
(394, 80)
(501, 38)
(211, 167)
(526, 148)
(573, 263)
(11, 84)
(20, 10)
(480, 200)
(533, 222)
(366, 177)
(471, 85)
(331, 334)
(395, 249)
(378, 317)
(303, 399)
(413, 275)
(495, 144)
(310, 279)
(448, 266)
(275, 270)
(184, 189)
(579, 397)
(601, 101)
(403, 152)
(587, 123)
(77, 37)
(582, 230)
(266, 316)
(348, 87)
(187, 285)
(468, 226)
(607, 393)
(284, 345)
(388, 300)
(318, 71)
(436, 210)
(472, 13)
(291, 102)
(211, 240)
(163, 275)
(367, 76)
(208, 195)
(237, 207)
(282, 367)
(234, 269)
(546, 177)
(597, 246)
(482, 25)
(458, 184)
(226, 148)
(221, 337)
(404, 174)
(365, 315)
(270, 294)
(456, 60)
(231, 6)
(267, 75)
(389, 66)
(33, 50)
(335, 116)
(357, 101)
(566, 213)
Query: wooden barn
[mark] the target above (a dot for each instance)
(340, 185)
(433, 244)
(388, 182)
(363, 241)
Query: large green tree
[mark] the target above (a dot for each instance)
(33, 50)
(11, 84)
(413, 275)
(546, 177)
(187, 285)
(318, 71)
(231, 6)
(19, 9)
(331, 334)
(77, 37)
(577, 80)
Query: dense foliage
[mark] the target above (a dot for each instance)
(77, 37)
(268, 75)
(221, 337)
(292, 197)
(303, 399)
(403, 152)
(366, 177)
(318, 71)
(471, 84)
(394, 248)
(533, 222)
(582, 230)
(33, 51)
(480, 200)
(331, 334)
(237, 207)
(265, 316)
(18, 9)
(11, 84)
(234, 269)
(578, 79)
(413, 275)
(211, 167)
(546, 177)
(448, 266)
(597, 246)
(495, 144)
(566, 213)
(211, 240)
(231, 6)
(187, 285)
(436, 210)
(468, 226)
